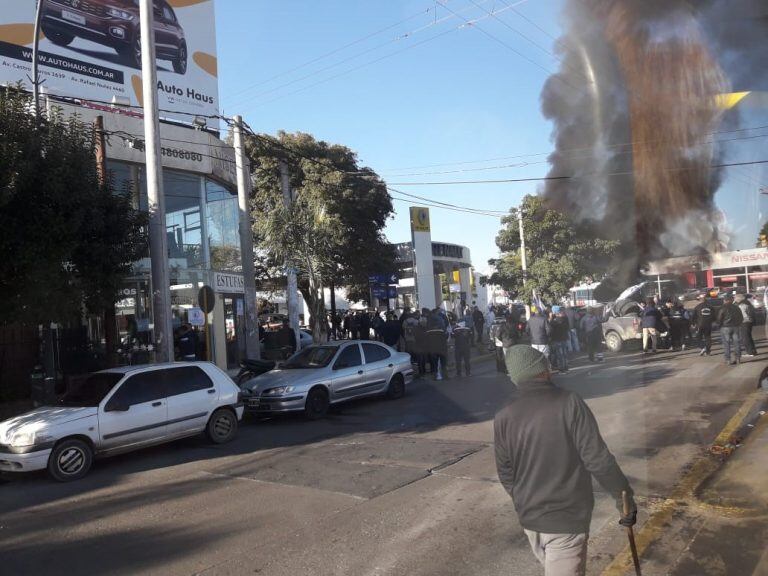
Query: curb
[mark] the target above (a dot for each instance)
(692, 483)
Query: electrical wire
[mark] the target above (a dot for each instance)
(331, 53)
(565, 151)
(572, 177)
(404, 36)
(364, 64)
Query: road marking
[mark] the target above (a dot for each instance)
(685, 491)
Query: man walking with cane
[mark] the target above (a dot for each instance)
(548, 447)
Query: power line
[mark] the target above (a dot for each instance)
(364, 64)
(510, 48)
(565, 151)
(569, 156)
(331, 53)
(572, 177)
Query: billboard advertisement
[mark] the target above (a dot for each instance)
(91, 49)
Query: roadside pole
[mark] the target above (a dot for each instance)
(110, 313)
(158, 242)
(523, 259)
(35, 53)
(292, 286)
(252, 348)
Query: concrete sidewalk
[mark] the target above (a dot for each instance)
(722, 529)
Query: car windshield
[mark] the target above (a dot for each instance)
(313, 357)
(91, 391)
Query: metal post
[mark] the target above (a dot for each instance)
(246, 243)
(35, 48)
(523, 258)
(292, 286)
(158, 241)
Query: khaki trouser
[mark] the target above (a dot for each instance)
(560, 554)
(654, 334)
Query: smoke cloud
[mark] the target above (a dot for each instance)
(634, 107)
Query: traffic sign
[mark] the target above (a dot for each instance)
(379, 292)
(383, 279)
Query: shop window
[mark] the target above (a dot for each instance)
(223, 227)
(182, 219)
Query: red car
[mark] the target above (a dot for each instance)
(116, 24)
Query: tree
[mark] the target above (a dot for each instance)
(333, 231)
(762, 237)
(67, 241)
(559, 252)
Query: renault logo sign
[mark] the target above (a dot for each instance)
(420, 219)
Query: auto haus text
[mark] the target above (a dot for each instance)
(190, 93)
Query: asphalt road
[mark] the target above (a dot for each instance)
(379, 487)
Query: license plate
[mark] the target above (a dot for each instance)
(72, 17)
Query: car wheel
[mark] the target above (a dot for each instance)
(58, 38)
(222, 426)
(396, 388)
(613, 342)
(180, 63)
(70, 460)
(317, 404)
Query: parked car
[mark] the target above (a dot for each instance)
(621, 324)
(322, 375)
(119, 410)
(115, 24)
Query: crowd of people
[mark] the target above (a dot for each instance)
(687, 328)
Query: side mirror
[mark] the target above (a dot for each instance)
(116, 407)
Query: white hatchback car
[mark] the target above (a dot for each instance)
(119, 410)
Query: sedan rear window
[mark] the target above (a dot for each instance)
(92, 390)
(312, 357)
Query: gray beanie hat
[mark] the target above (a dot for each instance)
(524, 363)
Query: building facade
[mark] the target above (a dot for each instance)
(202, 227)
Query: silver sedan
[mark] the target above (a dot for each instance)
(325, 374)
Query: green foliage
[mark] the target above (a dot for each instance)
(66, 241)
(333, 232)
(559, 252)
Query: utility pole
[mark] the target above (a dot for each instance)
(110, 313)
(523, 258)
(158, 241)
(35, 48)
(252, 350)
(292, 287)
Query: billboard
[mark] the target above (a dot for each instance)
(91, 49)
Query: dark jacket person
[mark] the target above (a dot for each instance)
(548, 448)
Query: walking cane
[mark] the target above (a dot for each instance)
(631, 534)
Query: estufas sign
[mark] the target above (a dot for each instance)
(90, 49)
(229, 283)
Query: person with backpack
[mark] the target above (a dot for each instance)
(561, 330)
(703, 317)
(479, 324)
(593, 333)
(745, 334)
(437, 344)
(730, 318)
(649, 322)
(462, 344)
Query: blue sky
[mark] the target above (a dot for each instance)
(459, 97)
(428, 90)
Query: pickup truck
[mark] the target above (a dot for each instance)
(621, 324)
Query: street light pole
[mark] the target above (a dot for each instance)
(252, 350)
(35, 48)
(292, 285)
(158, 241)
(523, 258)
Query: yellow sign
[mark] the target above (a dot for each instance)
(419, 219)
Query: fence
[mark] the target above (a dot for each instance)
(19, 352)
